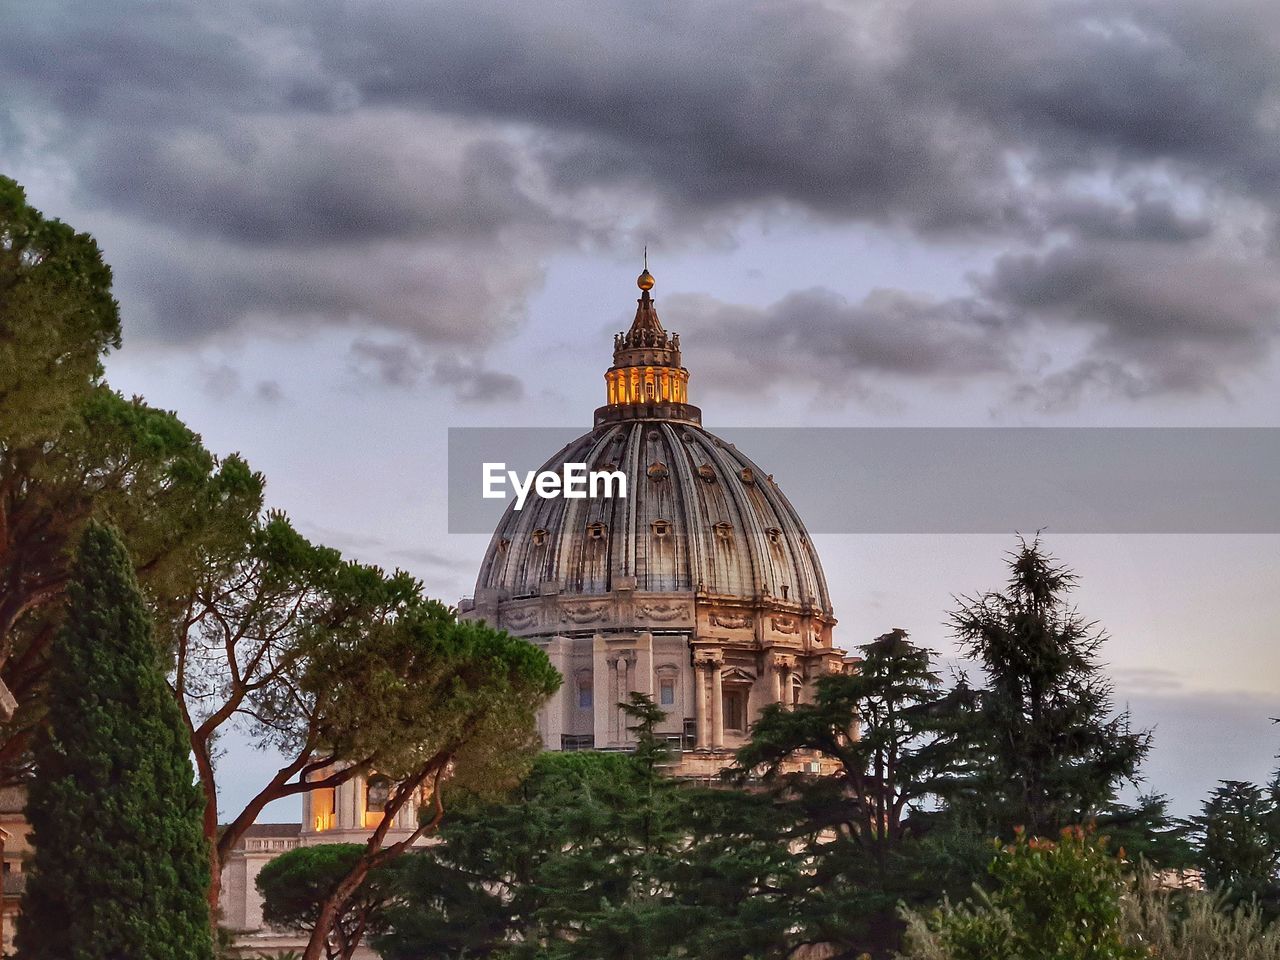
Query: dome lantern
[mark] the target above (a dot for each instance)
(647, 380)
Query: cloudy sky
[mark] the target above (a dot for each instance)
(340, 228)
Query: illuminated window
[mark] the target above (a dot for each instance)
(323, 805)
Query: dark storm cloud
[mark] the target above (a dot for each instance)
(1159, 318)
(931, 112)
(1154, 318)
(818, 338)
(413, 165)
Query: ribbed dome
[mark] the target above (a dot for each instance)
(698, 517)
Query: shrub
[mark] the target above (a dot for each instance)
(1059, 899)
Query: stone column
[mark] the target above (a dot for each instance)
(783, 666)
(621, 698)
(717, 706)
(703, 703)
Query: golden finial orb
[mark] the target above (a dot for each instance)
(645, 280)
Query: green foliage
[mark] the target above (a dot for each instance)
(71, 449)
(294, 885)
(120, 868)
(441, 701)
(1053, 751)
(1146, 831)
(892, 735)
(1239, 835)
(599, 855)
(1058, 900)
(57, 319)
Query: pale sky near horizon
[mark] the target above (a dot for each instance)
(339, 230)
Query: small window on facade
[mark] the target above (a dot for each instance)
(661, 528)
(539, 537)
(797, 687)
(667, 692)
(775, 535)
(724, 530)
(584, 694)
(706, 473)
(785, 590)
(735, 709)
(657, 471)
(595, 531)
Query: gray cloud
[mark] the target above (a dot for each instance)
(411, 167)
(1109, 317)
(818, 338)
(1160, 318)
(404, 364)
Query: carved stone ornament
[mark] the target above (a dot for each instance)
(519, 618)
(662, 611)
(785, 625)
(587, 613)
(731, 621)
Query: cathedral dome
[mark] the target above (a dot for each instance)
(700, 588)
(699, 516)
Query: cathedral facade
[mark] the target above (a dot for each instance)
(700, 588)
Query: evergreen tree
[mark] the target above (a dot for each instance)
(120, 867)
(889, 734)
(1239, 834)
(600, 856)
(1054, 749)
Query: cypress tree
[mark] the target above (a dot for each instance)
(120, 869)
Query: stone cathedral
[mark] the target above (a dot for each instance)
(700, 588)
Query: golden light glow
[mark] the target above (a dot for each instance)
(323, 809)
(647, 385)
